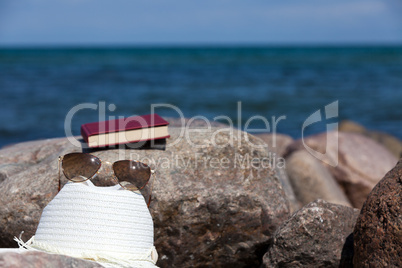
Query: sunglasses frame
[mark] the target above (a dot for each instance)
(60, 165)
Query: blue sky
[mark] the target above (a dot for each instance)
(133, 22)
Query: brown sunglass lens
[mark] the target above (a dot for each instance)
(80, 167)
(136, 173)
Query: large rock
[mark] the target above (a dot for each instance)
(312, 181)
(18, 157)
(356, 162)
(216, 199)
(276, 146)
(378, 230)
(318, 235)
(294, 203)
(37, 259)
(393, 144)
(28, 173)
(277, 143)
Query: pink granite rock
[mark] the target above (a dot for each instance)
(312, 181)
(356, 162)
(393, 144)
(37, 259)
(378, 230)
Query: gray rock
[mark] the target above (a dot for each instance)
(43, 260)
(276, 146)
(378, 230)
(216, 199)
(294, 203)
(318, 235)
(21, 156)
(312, 181)
(29, 182)
(277, 143)
(356, 162)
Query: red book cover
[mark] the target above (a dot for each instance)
(123, 125)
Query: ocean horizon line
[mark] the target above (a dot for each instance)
(199, 46)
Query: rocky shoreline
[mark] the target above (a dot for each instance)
(223, 197)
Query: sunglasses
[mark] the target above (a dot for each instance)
(131, 175)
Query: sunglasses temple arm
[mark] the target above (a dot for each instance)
(59, 176)
(150, 194)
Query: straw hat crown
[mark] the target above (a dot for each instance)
(109, 225)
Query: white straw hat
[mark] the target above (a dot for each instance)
(109, 225)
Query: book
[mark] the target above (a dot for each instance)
(125, 130)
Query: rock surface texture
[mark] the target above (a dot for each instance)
(393, 144)
(318, 235)
(356, 162)
(294, 204)
(216, 199)
(43, 260)
(277, 143)
(312, 181)
(378, 230)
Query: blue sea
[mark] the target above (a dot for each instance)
(42, 89)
